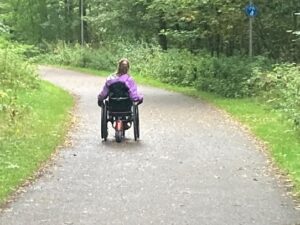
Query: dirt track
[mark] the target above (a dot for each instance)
(191, 166)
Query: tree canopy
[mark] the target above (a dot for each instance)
(217, 26)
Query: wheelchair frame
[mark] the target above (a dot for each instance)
(120, 120)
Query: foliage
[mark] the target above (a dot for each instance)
(114, 20)
(218, 27)
(103, 58)
(225, 76)
(76, 55)
(174, 67)
(229, 76)
(280, 87)
(16, 74)
(35, 21)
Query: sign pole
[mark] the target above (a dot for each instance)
(250, 37)
(250, 33)
(251, 11)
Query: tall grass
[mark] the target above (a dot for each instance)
(16, 74)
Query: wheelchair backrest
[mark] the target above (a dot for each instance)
(118, 98)
(118, 90)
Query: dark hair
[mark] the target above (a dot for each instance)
(123, 69)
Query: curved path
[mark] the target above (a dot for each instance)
(191, 166)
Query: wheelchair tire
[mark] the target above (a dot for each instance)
(136, 126)
(104, 131)
(119, 136)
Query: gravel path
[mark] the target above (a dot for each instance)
(191, 166)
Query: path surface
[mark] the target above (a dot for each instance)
(191, 166)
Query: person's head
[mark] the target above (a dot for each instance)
(123, 66)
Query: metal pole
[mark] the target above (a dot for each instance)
(250, 33)
(81, 20)
(250, 37)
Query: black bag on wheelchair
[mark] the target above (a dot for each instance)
(118, 98)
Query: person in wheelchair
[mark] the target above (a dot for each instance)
(119, 78)
(122, 94)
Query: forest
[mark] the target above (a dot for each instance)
(219, 27)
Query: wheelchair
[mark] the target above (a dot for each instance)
(121, 112)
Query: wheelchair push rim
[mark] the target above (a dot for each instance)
(104, 128)
(136, 126)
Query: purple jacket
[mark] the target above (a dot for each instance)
(127, 80)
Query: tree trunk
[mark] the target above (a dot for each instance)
(85, 25)
(162, 38)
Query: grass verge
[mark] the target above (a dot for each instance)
(28, 142)
(278, 134)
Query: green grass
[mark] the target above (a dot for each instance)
(29, 142)
(280, 138)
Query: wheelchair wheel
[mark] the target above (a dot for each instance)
(119, 136)
(104, 131)
(119, 131)
(136, 125)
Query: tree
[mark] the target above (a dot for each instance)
(216, 26)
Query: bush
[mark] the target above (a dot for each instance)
(174, 67)
(280, 87)
(77, 56)
(16, 74)
(229, 76)
(226, 76)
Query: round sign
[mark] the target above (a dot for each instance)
(251, 10)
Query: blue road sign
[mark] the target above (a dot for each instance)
(251, 10)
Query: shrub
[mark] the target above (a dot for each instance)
(280, 87)
(78, 56)
(174, 66)
(229, 76)
(226, 76)
(177, 67)
(16, 74)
